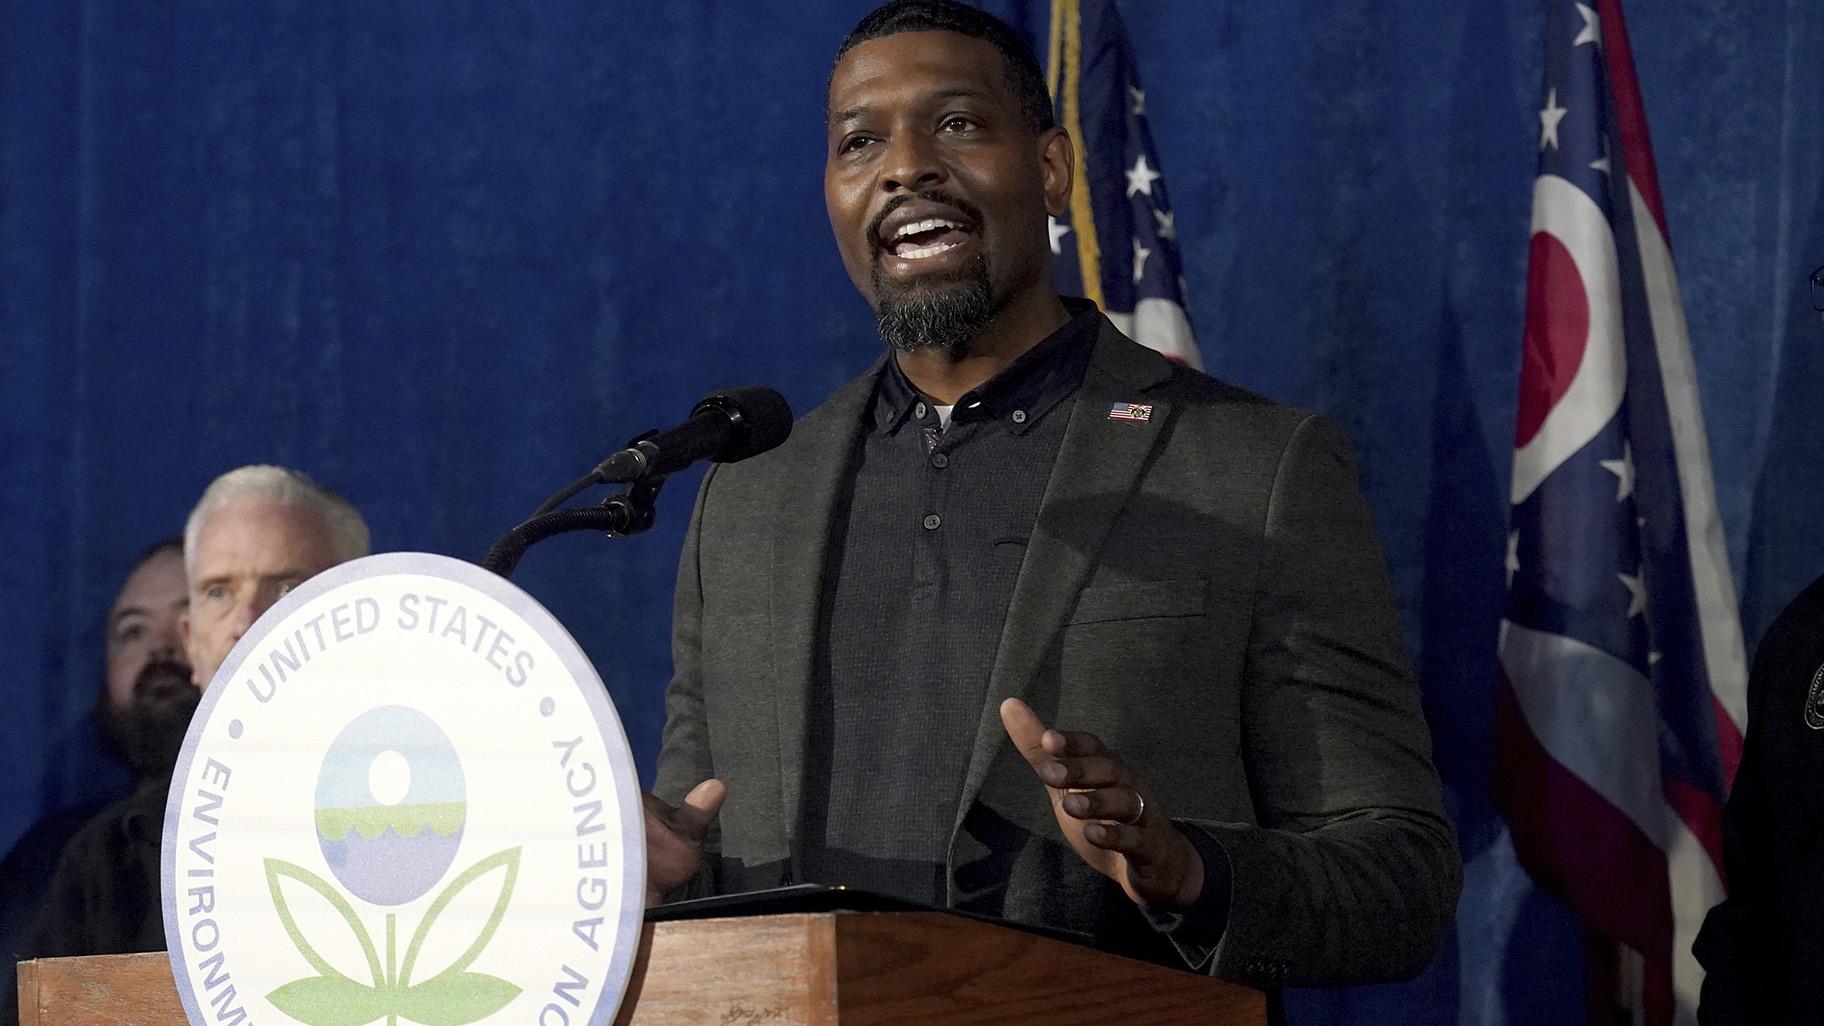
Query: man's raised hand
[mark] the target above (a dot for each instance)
(674, 837)
(1108, 812)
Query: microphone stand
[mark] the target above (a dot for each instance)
(617, 516)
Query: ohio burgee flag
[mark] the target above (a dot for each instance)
(1620, 709)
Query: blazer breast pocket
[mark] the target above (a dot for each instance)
(1141, 600)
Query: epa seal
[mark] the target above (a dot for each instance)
(405, 798)
(1814, 701)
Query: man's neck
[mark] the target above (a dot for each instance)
(1019, 326)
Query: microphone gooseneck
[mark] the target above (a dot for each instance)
(726, 427)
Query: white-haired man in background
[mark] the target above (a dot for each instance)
(256, 533)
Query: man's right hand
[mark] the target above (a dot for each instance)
(674, 838)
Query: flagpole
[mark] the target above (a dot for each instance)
(1067, 59)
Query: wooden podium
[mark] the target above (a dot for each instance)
(807, 969)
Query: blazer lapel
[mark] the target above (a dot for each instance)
(1097, 467)
(808, 488)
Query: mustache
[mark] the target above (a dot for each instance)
(969, 210)
(159, 673)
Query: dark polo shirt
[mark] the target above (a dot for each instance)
(926, 545)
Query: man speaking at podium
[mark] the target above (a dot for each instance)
(1019, 520)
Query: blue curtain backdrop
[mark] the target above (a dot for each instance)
(444, 255)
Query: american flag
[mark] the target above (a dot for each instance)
(1130, 411)
(1620, 708)
(1118, 244)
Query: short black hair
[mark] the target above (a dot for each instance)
(173, 544)
(1024, 75)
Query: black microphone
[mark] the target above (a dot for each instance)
(724, 428)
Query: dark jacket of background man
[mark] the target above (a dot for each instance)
(1763, 948)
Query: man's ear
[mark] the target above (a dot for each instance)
(1058, 163)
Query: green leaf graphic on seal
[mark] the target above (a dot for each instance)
(330, 1001)
(455, 999)
(276, 869)
(507, 860)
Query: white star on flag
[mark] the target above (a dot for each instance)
(1637, 593)
(1058, 230)
(1592, 27)
(1140, 178)
(1125, 257)
(1548, 123)
(1601, 163)
(1624, 469)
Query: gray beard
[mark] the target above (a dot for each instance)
(944, 314)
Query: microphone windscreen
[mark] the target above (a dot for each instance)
(762, 419)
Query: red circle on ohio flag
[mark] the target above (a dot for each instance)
(1557, 329)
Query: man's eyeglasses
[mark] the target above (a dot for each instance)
(1817, 290)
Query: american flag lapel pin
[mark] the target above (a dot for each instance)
(1130, 411)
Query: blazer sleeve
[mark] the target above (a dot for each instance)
(684, 752)
(1351, 873)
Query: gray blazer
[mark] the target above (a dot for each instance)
(1203, 590)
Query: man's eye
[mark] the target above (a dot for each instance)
(130, 633)
(959, 123)
(853, 143)
(216, 592)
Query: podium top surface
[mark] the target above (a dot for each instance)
(813, 898)
(813, 969)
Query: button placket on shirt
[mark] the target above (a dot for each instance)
(936, 485)
(927, 558)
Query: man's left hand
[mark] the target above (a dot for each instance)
(1108, 812)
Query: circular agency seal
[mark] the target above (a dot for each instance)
(405, 798)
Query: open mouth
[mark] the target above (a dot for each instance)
(926, 238)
